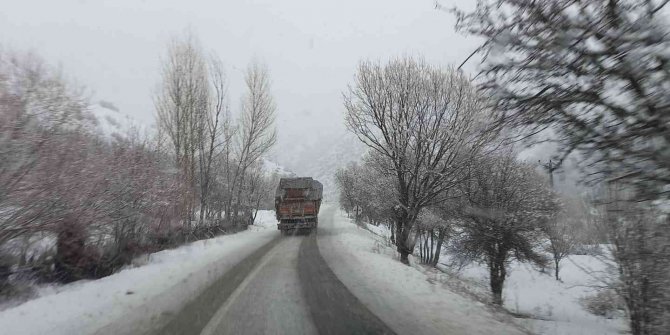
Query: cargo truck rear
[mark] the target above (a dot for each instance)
(297, 203)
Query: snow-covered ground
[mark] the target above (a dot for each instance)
(411, 300)
(134, 298)
(273, 168)
(415, 299)
(553, 307)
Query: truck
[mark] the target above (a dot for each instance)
(297, 203)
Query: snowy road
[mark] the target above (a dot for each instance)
(258, 282)
(285, 287)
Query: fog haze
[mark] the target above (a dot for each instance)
(114, 48)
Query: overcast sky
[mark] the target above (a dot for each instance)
(311, 47)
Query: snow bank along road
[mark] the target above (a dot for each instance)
(285, 287)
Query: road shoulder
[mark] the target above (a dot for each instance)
(406, 299)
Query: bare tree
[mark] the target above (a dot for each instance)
(182, 109)
(425, 121)
(256, 133)
(561, 231)
(38, 111)
(105, 200)
(258, 190)
(508, 204)
(594, 73)
(345, 181)
(214, 132)
(433, 229)
(639, 235)
(442, 222)
(370, 186)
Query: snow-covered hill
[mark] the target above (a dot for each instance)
(319, 156)
(543, 305)
(272, 168)
(549, 307)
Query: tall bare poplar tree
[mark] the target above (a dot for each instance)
(214, 136)
(182, 110)
(256, 133)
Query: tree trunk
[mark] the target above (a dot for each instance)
(228, 206)
(497, 273)
(421, 252)
(202, 209)
(432, 242)
(440, 239)
(428, 247)
(402, 242)
(404, 257)
(556, 269)
(255, 210)
(236, 208)
(422, 245)
(636, 323)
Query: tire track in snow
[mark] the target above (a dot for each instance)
(195, 315)
(334, 309)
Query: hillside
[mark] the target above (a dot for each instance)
(319, 156)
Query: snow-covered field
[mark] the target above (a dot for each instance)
(411, 300)
(133, 298)
(553, 307)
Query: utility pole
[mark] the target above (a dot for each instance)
(550, 167)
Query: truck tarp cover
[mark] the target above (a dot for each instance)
(315, 187)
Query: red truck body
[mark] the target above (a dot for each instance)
(297, 203)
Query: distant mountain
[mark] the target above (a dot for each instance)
(108, 105)
(272, 168)
(319, 157)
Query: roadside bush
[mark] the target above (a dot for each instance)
(587, 249)
(605, 303)
(5, 271)
(13, 287)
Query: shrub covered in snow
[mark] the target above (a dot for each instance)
(587, 249)
(606, 303)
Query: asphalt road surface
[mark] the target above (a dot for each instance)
(285, 287)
